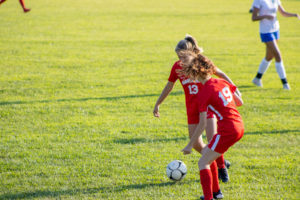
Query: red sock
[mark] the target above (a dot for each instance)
(220, 162)
(22, 4)
(206, 182)
(215, 180)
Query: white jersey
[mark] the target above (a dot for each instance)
(267, 7)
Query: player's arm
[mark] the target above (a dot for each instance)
(219, 73)
(166, 91)
(197, 133)
(287, 14)
(257, 17)
(237, 99)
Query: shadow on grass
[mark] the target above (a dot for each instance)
(271, 132)
(147, 140)
(177, 139)
(58, 193)
(88, 99)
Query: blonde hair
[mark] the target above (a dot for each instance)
(189, 43)
(195, 65)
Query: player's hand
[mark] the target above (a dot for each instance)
(187, 149)
(298, 16)
(156, 111)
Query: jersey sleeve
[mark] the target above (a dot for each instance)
(256, 4)
(173, 75)
(232, 88)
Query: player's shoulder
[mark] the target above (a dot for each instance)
(177, 64)
(217, 82)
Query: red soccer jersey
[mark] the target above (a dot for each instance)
(217, 95)
(191, 88)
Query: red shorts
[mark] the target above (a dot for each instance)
(221, 142)
(193, 116)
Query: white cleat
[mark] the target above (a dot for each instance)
(257, 82)
(286, 86)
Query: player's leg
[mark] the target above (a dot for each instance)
(208, 176)
(23, 6)
(273, 47)
(211, 130)
(263, 66)
(199, 145)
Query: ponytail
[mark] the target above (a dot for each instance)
(189, 44)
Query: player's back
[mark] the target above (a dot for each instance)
(219, 99)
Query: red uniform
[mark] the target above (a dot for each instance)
(217, 95)
(191, 91)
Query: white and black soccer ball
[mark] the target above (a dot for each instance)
(176, 170)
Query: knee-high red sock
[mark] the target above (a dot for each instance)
(206, 182)
(215, 180)
(220, 162)
(22, 4)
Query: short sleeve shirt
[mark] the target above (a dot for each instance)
(267, 7)
(191, 88)
(217, 95)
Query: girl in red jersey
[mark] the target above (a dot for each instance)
(191, 90)
(222, 98)
(22, 4)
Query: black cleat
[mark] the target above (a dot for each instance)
(227, 164)
(216, 195)
(223, 175)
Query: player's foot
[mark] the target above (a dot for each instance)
(286, 86)
(216, 195)
(223, 175)
(257, 82)
(227, 164)
(26, 10)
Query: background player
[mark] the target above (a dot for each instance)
(22, 4)
(265, 11)
(221, 97)
(191, 90)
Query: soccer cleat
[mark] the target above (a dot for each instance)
(227, 164)
(257, 82)
(286, 86)
(216, 195)
(223, 175)
(26, 10)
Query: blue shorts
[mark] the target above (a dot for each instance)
(267, 37)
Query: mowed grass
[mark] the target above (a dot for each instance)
(79, 80)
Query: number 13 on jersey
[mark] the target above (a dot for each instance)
(226, 96)
(193, 89)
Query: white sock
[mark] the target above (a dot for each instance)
(264, 66)
(280, 70)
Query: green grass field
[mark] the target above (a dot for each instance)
(79, 80)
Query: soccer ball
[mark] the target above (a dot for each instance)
(176, 170)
